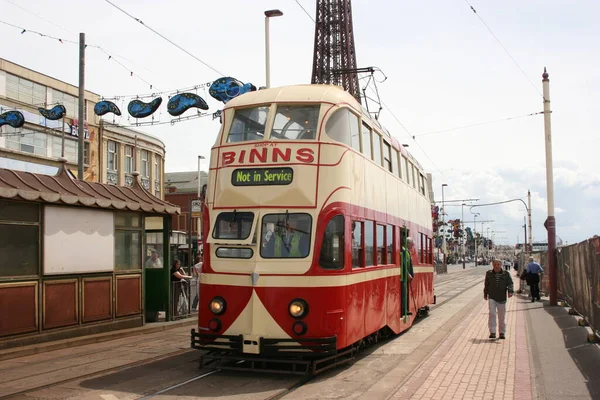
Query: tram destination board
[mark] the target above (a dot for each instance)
(262, 176)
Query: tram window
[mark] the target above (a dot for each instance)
(358, 250)
(395, 170)
(295, 122)
(233, 225)
(366, 141)
(286, 235)
(390, 244)
(408, 171)
(381, 245)
(411, 172)
(332, 248)
(234, 252)
(369, 243)
(377, 148)
(248, 124)
(387, 156)
(343, 127)
(422, 184)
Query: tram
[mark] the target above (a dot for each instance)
(309, 203)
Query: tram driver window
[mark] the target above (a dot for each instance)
(248, 124)
(332, 247)
(295, 123)
(286, 235)
(233, 225)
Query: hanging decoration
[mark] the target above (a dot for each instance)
(12, 118)
(182, 102)
(226, 88)
(104, 107)
(139, 109)
(53, 114)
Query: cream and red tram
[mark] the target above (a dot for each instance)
(307, 204)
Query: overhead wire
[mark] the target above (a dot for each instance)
(305, 12)
(503, 47)
(164, 37)
(63, 41)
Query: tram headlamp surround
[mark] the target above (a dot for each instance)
(298, 308)
(217, 305)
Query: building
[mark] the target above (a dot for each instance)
(181, 188)
(111, 153)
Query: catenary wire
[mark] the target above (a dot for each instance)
(305, 12)
(503, 47)
(164, 37)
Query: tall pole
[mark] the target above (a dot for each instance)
(444, 225)
(267, 54)
(269, 14)
(550, 223)
(81, 104)
(462, 227)
(475, 237)
(529, 220)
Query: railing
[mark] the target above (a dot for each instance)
(578, 270)
(181, 301)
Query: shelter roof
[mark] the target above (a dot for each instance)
(63, 188)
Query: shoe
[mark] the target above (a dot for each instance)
(492, 336)
(538, 299)
(502, 336)
(533, 300)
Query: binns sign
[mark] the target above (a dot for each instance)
(268, 155)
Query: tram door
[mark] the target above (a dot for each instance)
(156, 269)
(404, 265)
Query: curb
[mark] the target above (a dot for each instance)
(96, 338)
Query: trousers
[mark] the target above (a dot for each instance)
(497, 310)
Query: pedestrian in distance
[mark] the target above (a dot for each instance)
(533, 273)
(498, 284)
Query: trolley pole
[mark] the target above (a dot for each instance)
(81, 105)
(550, 223)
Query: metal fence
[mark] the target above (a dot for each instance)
(181, 303)
(578, 268)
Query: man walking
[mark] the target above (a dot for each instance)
(497, 283)
(533, 271)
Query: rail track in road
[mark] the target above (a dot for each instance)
(447, 287)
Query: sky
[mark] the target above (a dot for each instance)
(446, 68)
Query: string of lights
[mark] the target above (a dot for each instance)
(63, 41)
(503, 47)
(164, 37)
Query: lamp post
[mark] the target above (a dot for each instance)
(462, 237)
(444, 225)
(475, 215)
(269, 14)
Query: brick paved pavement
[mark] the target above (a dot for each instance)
(468, 365)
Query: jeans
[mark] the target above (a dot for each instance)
(500, 310)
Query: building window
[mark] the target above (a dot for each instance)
(157, 175)
(29, 142)
(129, 160)
(86, 153)
(71, 148)
(70, 103)
(19, 238)
(25, 90)
(112, 156)
(128, 242)
(145, 171)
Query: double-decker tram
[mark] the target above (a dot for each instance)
(308, 206)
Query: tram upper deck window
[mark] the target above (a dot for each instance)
(295, 123)
(286, 235)
(343, 126)
(233, 225)
(248, 124)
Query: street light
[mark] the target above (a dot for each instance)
(462, 238)
(444, 225)
(200, 158)
(269, 14)
(475, 215)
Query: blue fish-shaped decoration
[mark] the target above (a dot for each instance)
(56, 112)
(105, 106)
(12, 118)
(182, 102)
(225, 89)
(139, 109)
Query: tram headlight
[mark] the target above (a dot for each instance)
(217, 305)
(298, 308)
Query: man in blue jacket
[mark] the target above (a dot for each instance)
(534, 271)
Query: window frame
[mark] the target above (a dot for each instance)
(13, 222)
